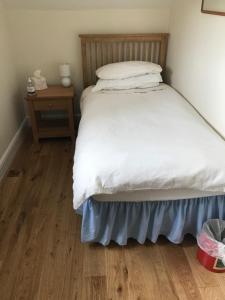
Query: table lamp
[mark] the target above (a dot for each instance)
(64, 71)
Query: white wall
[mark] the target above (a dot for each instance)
(86, 4)
(11, 107)
(196, 59)
(45, 38)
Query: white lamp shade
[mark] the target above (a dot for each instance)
(64, 70)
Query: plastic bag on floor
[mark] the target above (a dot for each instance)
(211, 241)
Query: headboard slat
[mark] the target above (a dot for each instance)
(100, 49)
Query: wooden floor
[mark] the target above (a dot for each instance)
(41, 256)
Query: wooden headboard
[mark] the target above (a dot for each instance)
(102, 49)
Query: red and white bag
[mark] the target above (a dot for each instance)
(211, 245)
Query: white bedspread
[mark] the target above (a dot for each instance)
(151, 139)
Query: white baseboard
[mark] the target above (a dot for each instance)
(12, 149)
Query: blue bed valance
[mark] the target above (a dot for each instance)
(118, 221)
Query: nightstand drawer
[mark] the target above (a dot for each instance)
(50, 104)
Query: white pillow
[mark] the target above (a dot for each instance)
(142, 81)
(127, 69)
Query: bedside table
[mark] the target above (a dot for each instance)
(57, 99)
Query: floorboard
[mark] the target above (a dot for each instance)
(41, 256)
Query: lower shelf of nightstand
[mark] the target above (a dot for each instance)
(53, 128)
(53, 132)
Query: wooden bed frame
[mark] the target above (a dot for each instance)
(102, 49)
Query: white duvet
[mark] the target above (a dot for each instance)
(144, 139)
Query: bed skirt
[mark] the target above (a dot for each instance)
(119, 221)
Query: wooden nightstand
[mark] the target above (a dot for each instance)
(57, 99)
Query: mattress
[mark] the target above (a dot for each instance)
(148, 144)
(154, 195)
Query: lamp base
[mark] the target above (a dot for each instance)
(66, 81)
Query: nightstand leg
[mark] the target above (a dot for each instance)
(72, 139)
(33, 124)
(71, 122)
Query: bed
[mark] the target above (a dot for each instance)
(146, 163)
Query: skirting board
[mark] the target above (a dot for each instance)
(12, 148)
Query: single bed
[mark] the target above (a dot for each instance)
(145, 163)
